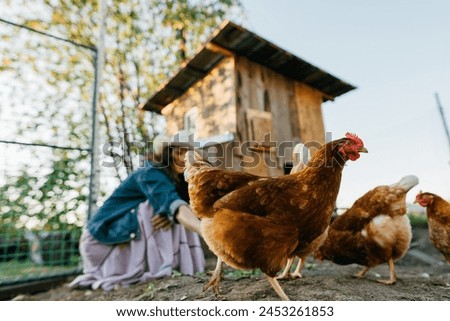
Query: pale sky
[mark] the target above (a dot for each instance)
(397, 54)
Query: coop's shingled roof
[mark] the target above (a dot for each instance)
(242, 42)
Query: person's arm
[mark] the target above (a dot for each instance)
(160, 191)
(168, 206)
(187, 218)
(184, 216)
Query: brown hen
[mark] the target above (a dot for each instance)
(251, 222)
(373, 231)
(438, 217)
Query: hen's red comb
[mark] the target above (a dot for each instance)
(355, 138)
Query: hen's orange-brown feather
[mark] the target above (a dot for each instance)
(247, 241)
(438, 217)
(210, 185)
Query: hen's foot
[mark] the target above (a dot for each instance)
(283, 276)
(387, 282)
(214, 281)
(392, 275)
(296, 275)
(289, 276)
(362, 273)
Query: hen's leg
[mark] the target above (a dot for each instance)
(286, 272)
(276, 286)
(363, 272)
(297, 273)
(392, 275)
(215, 278)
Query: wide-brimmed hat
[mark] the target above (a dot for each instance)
(183, 138)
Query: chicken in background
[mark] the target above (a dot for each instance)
(300, 157)
(250, 222)
(438, 217)
(375, 230)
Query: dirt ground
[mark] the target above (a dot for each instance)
(422, 275)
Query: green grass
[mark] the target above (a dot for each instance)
(241, 274)
(23, 270)
(418, 219)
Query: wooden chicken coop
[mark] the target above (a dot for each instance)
(248, 100)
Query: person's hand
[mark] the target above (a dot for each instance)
(187, 218)
(161, 222)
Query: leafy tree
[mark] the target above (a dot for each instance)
(48, 202)
(50, 96)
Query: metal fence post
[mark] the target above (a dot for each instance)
(98, 68)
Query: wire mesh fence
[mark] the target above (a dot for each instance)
(45, 112)
(28, 256)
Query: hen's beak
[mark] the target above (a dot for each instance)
(415, 202)
(362, 150)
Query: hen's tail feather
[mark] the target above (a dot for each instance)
(407, 182)
(194, 162)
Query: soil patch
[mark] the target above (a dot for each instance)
(422, 275)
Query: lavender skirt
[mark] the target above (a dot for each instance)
(152, 256)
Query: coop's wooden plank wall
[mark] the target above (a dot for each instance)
(310, 118)
(295, 108)
(214, 96)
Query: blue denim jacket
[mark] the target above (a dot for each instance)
(116, 221)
